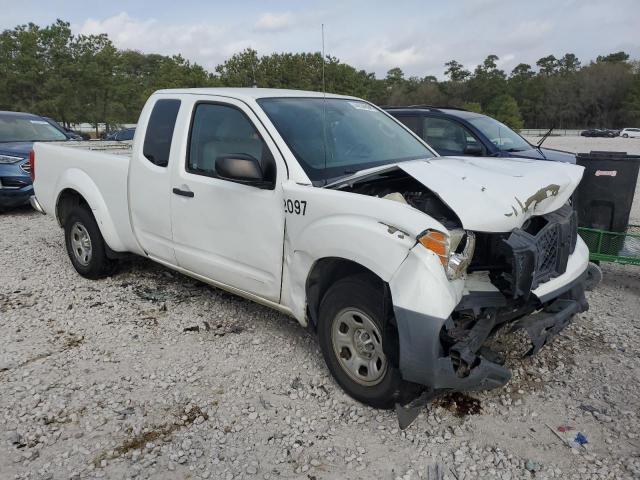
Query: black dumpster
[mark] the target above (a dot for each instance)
(604, 197)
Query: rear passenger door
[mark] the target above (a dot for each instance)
(150, 179)
(229, 232)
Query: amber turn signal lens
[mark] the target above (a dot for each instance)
(438, 243)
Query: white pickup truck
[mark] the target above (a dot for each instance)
(326, 208)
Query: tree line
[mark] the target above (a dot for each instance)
(85, 78)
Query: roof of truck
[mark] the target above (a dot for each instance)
(250, 93)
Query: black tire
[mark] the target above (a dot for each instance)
(359, 292)
(98, 265)
(625, 135)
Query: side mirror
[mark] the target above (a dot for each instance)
(473, 150)
(241, 168)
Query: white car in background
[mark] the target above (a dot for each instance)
(630, 132)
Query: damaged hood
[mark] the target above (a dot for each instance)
(494, 194)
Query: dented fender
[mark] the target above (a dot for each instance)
(420, 284)
(375, 233)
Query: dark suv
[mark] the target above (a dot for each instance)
(453, 132)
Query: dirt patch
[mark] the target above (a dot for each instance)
(139, 441)
(460, 404)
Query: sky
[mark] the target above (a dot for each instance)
(417, 36)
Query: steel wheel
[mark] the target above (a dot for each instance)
(81, 244)
(357, 344)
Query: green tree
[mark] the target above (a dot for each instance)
(505, 109)
(613, 57)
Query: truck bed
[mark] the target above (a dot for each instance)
(98, 171)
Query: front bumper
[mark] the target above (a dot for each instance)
(435, 352)
(15, 197)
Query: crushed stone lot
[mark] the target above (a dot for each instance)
(150, 374)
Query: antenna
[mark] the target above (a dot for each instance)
(253, 71)
(323, 59)
(324, 107)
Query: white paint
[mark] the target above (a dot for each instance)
(240, 238)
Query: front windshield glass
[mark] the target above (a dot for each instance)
(336, 137)
(500, 135)
(28, 129)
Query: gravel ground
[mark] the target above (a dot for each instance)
(100, 380)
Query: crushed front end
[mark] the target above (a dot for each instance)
(531, 278)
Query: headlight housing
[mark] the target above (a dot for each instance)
(454, 249)
(10, 159)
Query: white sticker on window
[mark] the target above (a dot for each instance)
(39, 122)
(362, 106)
(606, 173)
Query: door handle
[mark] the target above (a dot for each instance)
(183, 193)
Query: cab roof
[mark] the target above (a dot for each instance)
(251, 93)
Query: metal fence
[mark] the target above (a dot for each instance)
(538, 132)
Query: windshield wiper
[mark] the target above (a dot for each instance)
(515, 150)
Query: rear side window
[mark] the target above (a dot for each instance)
(157, 141)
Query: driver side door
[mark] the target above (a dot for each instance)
(229, 232)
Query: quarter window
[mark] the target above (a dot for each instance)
(220, 130)
(157, 141)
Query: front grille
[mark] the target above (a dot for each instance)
(537, 258)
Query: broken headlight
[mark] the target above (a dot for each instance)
(454, 249)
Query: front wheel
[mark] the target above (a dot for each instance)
(626, 135)
(352, 333)
(85, 245)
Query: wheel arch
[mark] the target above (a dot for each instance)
(328, 270)
(77, 188)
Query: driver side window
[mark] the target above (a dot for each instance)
(447, 135)
(220, 130)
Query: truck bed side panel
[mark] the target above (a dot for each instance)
(101, 178)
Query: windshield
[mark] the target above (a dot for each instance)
(28, 129)
(500, 135)
(335, 137)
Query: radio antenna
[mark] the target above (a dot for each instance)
(323, 59)
(324, 107)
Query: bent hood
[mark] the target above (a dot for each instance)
(493, 194)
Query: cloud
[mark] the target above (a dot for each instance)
(203, 43)
(383, 57)
(467, 31)
(275, 22)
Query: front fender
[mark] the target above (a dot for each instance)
(421, 285)
(76, 179)
(362, 240)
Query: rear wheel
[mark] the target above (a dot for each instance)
(626, 135)
(85, 245)
(351, 332)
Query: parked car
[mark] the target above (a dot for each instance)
(68, 132)
(599, 132)
(630, 132)
(402, 261)
(454, 131)
(18, 131)
(121, 135)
